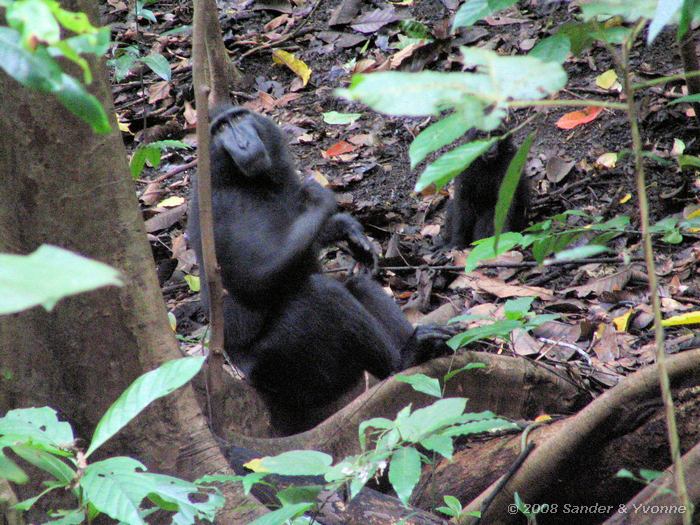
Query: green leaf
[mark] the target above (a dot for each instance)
(159, 65)
(487, 91)
(113, 487)
(47, 275)
(472, 11)
(67, 517)
(479, 427)
(437, 135)
(440, 444)
(554, 48)
(41, 72)
(9, 470)
(377, 422)
(414, 29)
(666, 10)
(687, 98)
(630, 11)
(581, 252)
(424, 421)
(412, 94)
(514, 77)
(497, 329)
(280, 516)
(470, 366)
(453, 503)
(510, 184)
(142, 392)
(422, 383)
(34, 20)
(38, 425)
(117, 486)
(404, 472)
(77, 22)
(46, 462)
(650, 475)
(452, 163)
(82, 104)
(517, 308)
(484, 248)
(688, 160)
(296, 463)
(151, 153)
(300, 494)
(28, 503)
(333, 117)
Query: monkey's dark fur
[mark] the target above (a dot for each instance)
(300, 337)
(470, 212)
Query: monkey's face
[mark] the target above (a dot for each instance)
(245, 139)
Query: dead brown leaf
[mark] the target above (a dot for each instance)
(609, 283)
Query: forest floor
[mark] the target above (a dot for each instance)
(603, 307)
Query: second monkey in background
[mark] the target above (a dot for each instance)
(470, 212)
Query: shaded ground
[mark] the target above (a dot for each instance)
(373, 180)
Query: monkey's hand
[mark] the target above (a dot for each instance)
(428, 342)
(344, 227)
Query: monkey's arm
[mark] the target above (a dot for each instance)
(344, 227)
(259, 258)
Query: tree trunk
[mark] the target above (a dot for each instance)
(66, 186)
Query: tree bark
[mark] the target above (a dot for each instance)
(66, 186)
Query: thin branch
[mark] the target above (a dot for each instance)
(286, 37)
(567, 103)
(679, 476)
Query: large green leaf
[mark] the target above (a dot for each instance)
(509, 185)
(630, 11)
(514, 77)
(404, 472)
(413, 94)
(115, 488)
(38, 70)
(38, 425)
(34, 20)
(472, 11)
(46, 462)
(496, 329)
(142, 392)
(296, 463)
(452, 163)
(158, 64)
(424, 421)
(47, 275)
(554, 48)
(11, 471)
(422, 383)
(437, 135)
(666, 11)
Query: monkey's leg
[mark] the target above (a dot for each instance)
(417, 344)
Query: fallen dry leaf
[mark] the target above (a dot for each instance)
(577, 118)
(298, 66)
(166, 219)
(609, 283)
(338, 148)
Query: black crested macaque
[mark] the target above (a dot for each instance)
(470, 212)
(300, 337)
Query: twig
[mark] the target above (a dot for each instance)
(580, 351)
(286, 37)
(523, 264)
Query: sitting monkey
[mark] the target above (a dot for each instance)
(470, 212)
(301, 338)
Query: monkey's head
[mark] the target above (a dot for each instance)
(248, 145)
